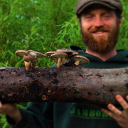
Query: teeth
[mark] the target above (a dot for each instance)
(99, 32)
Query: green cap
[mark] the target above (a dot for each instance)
(112, 4)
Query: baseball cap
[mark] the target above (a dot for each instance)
(112, 4)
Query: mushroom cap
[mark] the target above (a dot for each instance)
(59, 55)
(30, 58)
(82, 59)
(50, 53)
(36, 54)
(21, 53)
(67, 51)
(73, 54)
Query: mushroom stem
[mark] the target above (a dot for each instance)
(24, 56)
(55, 60)
(58, 63)
(68, 59)
(28, 65)
(77, 62)
(32, 65)
(63, 61)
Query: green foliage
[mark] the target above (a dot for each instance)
(31, 24)
(123, 37)
(42, 25)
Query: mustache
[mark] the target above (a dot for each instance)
(100, 29)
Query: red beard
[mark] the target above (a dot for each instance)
(102, 44)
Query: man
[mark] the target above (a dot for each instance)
(100, 21)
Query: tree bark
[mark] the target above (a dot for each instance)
(69, 84)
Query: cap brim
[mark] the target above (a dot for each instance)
(94, 2)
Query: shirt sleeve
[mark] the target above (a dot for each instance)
(37, 115)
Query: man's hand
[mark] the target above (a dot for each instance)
(120, 116)
(11, 110)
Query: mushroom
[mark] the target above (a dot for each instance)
(21, 53)
(69, 52)
(30, 61)
(36, 54)
(59, 56)
(71, 55)
(49, 55)
(80, 59)
(30, 57)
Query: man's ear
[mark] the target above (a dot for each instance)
(79, 21)
(120, 21)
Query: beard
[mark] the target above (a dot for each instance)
(101, 44)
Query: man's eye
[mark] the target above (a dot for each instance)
(107, 15)
(89, 17)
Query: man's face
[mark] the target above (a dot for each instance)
(100, 28)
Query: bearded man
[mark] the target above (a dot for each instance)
(98, 35)
(100, 21)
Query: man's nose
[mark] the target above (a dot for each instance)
(98, 22)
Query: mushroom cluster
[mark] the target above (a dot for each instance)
(59, 56)
(29, 57)
(66, 54)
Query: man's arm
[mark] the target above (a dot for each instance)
(37, 115)
(30, 117)
(11, 110)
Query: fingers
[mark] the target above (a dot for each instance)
(120, 116)
(11, 110)
(114, 113)
(122, 102)
(114, 109)
(0, 105)
(107, 112)
(127, 98)
(1, 108)
(7, 108)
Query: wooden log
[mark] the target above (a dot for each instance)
(69, 84)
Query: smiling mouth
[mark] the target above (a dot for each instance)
(100, 33)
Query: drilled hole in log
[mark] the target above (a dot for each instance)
(126, 71)
(99, 75)
(96, 93)
(126, 85)
(2, 77)
(89, 93)
(54, 74)
(55, 81)
(35, 88)
(111, 90)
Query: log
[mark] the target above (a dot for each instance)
(69, 84)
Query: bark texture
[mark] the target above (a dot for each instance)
(69, 84)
